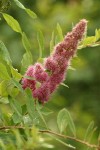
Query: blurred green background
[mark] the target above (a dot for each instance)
(82, 98)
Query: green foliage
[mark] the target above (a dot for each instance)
(4, 53)
(91, 41)
(40, 39)
(3, 72)
(12, 22)
(28, 11)
(52, 42)
(63, 119)
(26, 43)
(60, 34)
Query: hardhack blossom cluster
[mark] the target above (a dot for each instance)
(45, 78)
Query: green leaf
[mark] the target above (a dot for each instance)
(71, 68)
(40, 114)
(13, 92)
(13, 23)
(52, 42)
(63, 119)
(4, 54)
(40, 39)
(31, 13)
(60, 34)
(28, 11)
(15, 105)
(7, 88)
(40, 60)
(19, 4)
(46, 111)
(4, 100)
(26, 42)
(3, 88)
(17, 76)
(17, 84)
(3, 72)
(57, 39)
(16, 118)
(30, 103)
(26, 61)
(62, 142)
(46, 145)
(63, 84)
(89, 40)
(5, 118)
(24, 109)
(88, 131)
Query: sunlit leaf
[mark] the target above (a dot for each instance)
(52, 42)
(26, 61)
(13, 23)
(31, 13)
(3, 88)
(40, 39)
(71, 68)
(19, 4)
(4, 100)
(4, 54)
(63, 84)
(26, 42)
(3, 72)
(15, 74)
(60, 34)
(89, 40)
(13, 92)
(17, 84)
(46, 145)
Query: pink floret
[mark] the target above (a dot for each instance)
(39, 73)
(42, 93)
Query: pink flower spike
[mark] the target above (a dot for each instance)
(57, 64)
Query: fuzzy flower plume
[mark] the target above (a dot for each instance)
(53, 71)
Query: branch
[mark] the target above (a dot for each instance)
(69, 137)
(56, 134)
